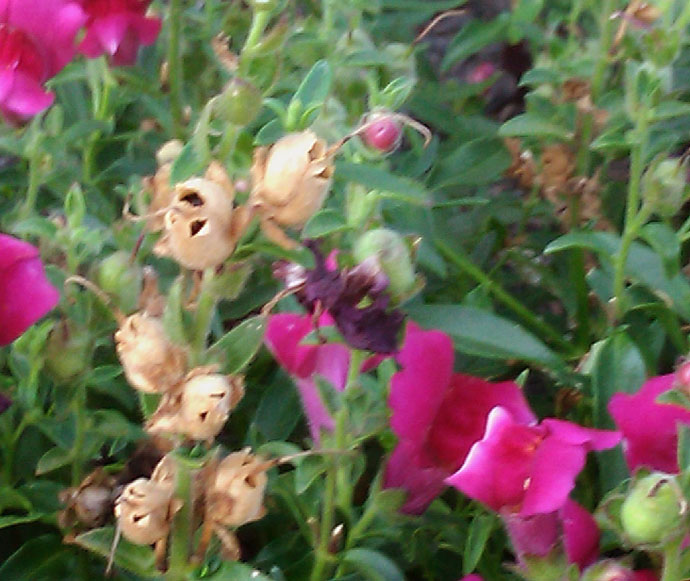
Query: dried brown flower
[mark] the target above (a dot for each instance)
(290, 181)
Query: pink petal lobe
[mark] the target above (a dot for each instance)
(649, 428)
(318, 417)
(283, 335)
(580, 534)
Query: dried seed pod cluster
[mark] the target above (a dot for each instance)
(196, 403)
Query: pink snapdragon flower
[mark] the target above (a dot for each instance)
(25, 293)
(284, 335)
(527, 469)
(438, 415)
(118, 28)
(649, 428)
(37, 39)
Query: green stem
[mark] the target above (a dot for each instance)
(27, 208)
(205, 308)
(672, 570)
(260, 20)
(634, 217)
(338, 488)
(101, 82)
(227, 144)
(508, 300)
(182, 528)
(328, 18)
(175, 73)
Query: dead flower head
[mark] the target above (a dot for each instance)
(159, 184)
(200, 407)
(201, 224)
(151, 363)
(235, 493)
(290, 181)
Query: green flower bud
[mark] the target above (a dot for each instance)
(664, 187)
(393, 258)
(238, 104)
(68, 351)
(120, 278)
(651, 513)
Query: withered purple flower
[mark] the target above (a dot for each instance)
(356, 298)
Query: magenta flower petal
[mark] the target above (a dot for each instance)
(51, 25)
(497, 468)
(472, 577)
(25, 97)
(418, 390)
(25, 293)
(118, 28)
(580, 534)
(461, 419)
(317, 415)
(555, 465)
(532, 536)
(406, 470)
(570, 433)
(283, 336)
(649, 428)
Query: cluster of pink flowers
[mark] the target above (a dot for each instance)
(483, 439)
(39, 37)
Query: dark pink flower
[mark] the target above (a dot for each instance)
(284, 335)
(118, 28)
(571, 527)
(649, 428)
(25, 293)
(473, 577)
(37, 39)
(481, 72)
(438, 415)
(527, 469)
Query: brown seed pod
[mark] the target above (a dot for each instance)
(235, 494)
(207, 400)
(145, 509)
(151, 363)
(290, 181)
(201, 226)
(88, 504)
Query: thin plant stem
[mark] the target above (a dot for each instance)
(205, 307)
(260, 20)
(175, 73)
(672, 569)
(34, 184)
(182, 529)
(634, 217)
(508, 300)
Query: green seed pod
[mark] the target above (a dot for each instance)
(68, 351)
(651, 513)
(118, 277)
(239, 103)
(393, 258)
(664, 187)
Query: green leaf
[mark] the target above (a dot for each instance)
(307, 470)
(323, 223)
(373, 565)
(135, 558)
(604, 246)
(315, 86)
(477, 162)
(43, 558)
(240, 345)
(279, 410)
(665, 243)
(8, 521)
(615, 365)
(237, 572)
(473, 36)
(477, 537)
(53, 459)
(484, 334)
(173, 318)
(188, 163)
(269, 133)
(112, 424)
(670, 110)
(532, 125)
(376, 178)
